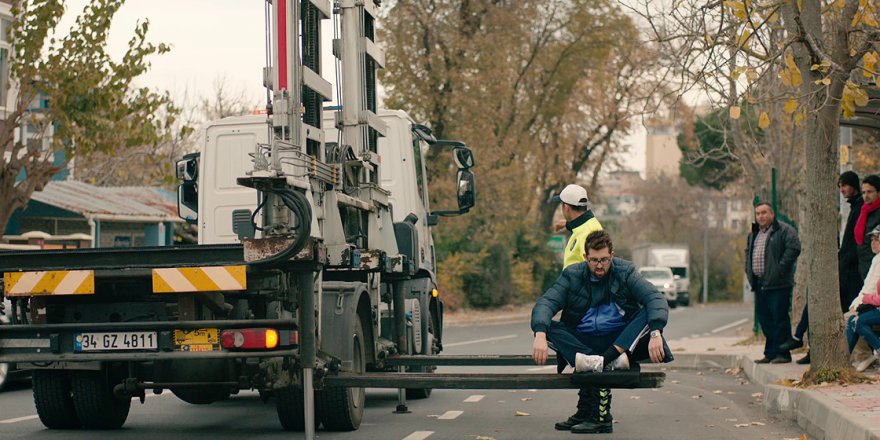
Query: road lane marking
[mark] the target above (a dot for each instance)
(545, 367)
(475, 398)
(20, 419)
(419, 435)
(450, 415)
(477, 341)
(729, 326)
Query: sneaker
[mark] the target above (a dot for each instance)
(584, 363)
(863, 365)
(791, 344)
(621, 363)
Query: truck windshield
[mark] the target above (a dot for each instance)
(680, 271)
(656, 274)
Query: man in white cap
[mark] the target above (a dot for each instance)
(579, 219)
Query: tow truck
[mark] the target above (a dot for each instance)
(314, 276)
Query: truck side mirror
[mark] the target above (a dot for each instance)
(188, 167)
(464, 158)
(188, 202)
(466, 190)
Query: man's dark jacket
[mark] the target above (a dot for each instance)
(847, 255)
(572, 295)
(781, 252)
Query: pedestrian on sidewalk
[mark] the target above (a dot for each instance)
(869, 218)
(863, 313)
(579, 220)
(772, 249)
(612, 318)
(850, 281)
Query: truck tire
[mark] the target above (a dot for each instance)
(290, 406)
(96, 405)
(341, 408)
(423, 393)
(52, 398)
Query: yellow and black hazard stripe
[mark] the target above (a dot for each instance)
(199, 279)
(51, 282)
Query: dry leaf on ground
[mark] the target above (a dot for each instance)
(526, 399)
(521, 414)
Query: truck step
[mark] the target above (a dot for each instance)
(470, 381)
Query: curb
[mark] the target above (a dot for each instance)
(819, 415)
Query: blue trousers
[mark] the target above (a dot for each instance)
(862, 327)
(772, 306)
(568, 341)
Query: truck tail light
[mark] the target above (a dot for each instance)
(257, 339)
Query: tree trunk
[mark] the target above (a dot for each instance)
(828, 349)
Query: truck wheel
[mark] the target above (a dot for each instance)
(291, 408)
(52, 398)
(96, 405)
(4, 374)
(341, 408)
(424, 393)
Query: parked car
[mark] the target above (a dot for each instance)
(664, 281)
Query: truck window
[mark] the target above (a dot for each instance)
(417, 162)
(680, 271)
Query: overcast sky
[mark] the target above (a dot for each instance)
(213, 39)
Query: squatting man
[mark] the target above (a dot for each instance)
(612, 318)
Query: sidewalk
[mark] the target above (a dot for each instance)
(829, 412)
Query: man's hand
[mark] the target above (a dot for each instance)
(851, 313)
(655, 349)
(539, 348)
(559, 226)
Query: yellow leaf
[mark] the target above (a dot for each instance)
(785, 76)
(734, 112)
(869, 61)
(790, 106)
(826, 81)
(751, 98)
(773, 18)
(709, 40)
(815, 67)
(764, 120)
(743, 38)
(795, 74)
(798, 119)
(800, 5)
(839, 4)
(751, 75)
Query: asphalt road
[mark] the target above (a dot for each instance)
(691, 404)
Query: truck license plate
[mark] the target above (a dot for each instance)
(113, 341)
(203, 339)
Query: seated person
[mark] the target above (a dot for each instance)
(863, 313)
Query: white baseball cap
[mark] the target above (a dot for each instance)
(574, 195)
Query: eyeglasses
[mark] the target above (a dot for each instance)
(597, 261)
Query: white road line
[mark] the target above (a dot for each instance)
(419, 435)
(477, 341)
(450, 415)
(545, 367)
(475, 398)
(731, 325)
(20, 419)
